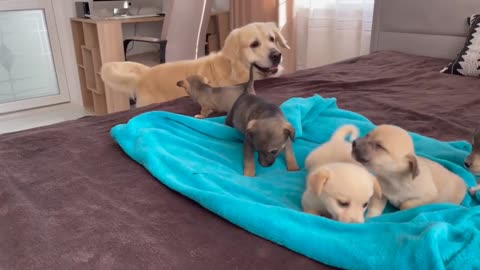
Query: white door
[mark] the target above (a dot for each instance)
(31, 65)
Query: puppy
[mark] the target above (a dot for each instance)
(472, 162)
(407, 181)
(215, 99)
(335, 150)
(266, 131)
(326, 199)
(340, 191)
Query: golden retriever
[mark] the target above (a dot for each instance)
(255, 43)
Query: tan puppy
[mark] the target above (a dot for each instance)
(472, 162)
(340, 191)
(335, 150)
(338, 187)
(407, 180)
(255, 43)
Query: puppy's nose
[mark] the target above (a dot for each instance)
(468, 164)
(275, 57)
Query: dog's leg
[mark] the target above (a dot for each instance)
(248, 159)
(411, 204)
(292, 164)
(311, 211)
(376, 207)
(229, 119)
(205, 112)
(473, 190)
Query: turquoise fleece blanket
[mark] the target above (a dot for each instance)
(203, 160)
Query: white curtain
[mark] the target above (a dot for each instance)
(332, 30)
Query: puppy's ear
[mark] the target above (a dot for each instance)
(377, 189)
(278, 36)
(250, 130)
(317, 180)
(289, 131)
(413, 165)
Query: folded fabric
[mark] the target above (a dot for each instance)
(203, 160)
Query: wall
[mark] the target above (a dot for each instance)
(64, 10)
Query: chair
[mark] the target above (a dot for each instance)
(183, 32)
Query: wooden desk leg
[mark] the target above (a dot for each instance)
(223, 24)
(110, 40)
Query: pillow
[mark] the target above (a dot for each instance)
(467, 62)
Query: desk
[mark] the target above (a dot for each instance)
(99, 41)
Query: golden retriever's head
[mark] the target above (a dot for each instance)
(256, 44)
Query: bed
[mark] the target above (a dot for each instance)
(71, 199)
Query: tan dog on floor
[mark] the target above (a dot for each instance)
(472, 162)
(407, 180)
(253, 43)
(337, 186)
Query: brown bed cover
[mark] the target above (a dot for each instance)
(71, 199)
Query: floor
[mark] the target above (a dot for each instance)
(40, 117)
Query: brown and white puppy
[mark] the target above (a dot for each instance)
(407, 180)
(215, 99)
(266, 130)
(257, 43)
(337, 149)
(472, 162)
(340, 191)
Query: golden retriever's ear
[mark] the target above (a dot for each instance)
(317, 180)
(413, 165)
(231, 48)
(279, 37)
(377, 189)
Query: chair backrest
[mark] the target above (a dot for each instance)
(185, 28)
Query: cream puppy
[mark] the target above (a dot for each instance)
(407, 180)
(337, 149)
(337, 186)
(340, 191)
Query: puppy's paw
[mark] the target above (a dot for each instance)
(199, 116)
(250, 173)
(293, 167)
(473, 190)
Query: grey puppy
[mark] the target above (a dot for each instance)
(214, 99)
(266, 131)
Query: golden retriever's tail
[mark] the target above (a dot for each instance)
(344, 131)
(123, 76)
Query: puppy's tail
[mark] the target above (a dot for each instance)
(249, 87)
(122, 76)
(344, 131)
